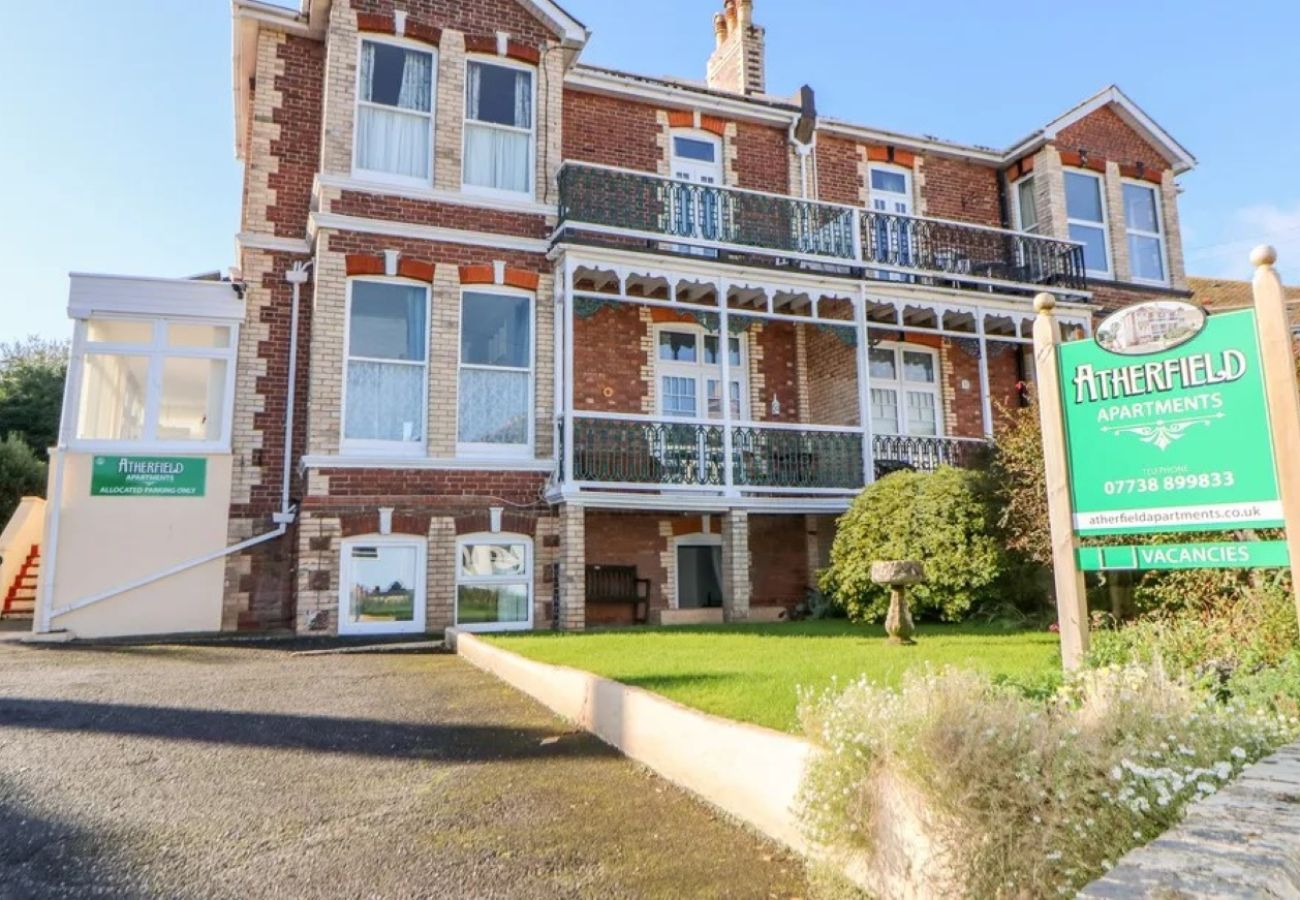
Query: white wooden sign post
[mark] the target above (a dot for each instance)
(1071, 596)
(1278, 357)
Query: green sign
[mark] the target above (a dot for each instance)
(148, 476)
(1231, 555)
(1175, 440)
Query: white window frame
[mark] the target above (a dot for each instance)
(155, 352)
(390, 178)
(1104, 225)
(1156, 197)
(498, 451)
(1015, 206)
(704, 137)
(370, 447)
(419, 613)
(900, 386)
(531, 131)
(502, 538)
(908, 180)
(701, 372)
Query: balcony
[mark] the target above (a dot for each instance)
(644, 453)
(645, 211)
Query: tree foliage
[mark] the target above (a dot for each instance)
(1020, 484)
(946, 519)
(22, 474)
(32, 373)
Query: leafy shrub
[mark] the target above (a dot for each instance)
(22, 474)
(1024, 797)
(944, 519)
(1245, 628)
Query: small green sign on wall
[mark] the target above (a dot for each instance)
(148, 476)
(1175, 440)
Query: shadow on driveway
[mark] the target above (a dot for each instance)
(320, 734)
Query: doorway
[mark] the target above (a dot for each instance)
(699, 575)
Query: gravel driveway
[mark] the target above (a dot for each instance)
(248, 771)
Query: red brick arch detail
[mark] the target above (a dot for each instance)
(404, 523)
(518, 50)
(520, 278)
(376, 23)
(684, 118)
(373, 264)
(479, 521)
(895, 155)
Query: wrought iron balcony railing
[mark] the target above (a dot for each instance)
(895, 452)
(640, 452)
(648, 207)
(706, 215)
(970, 251)
(631, 451)
(795, 458)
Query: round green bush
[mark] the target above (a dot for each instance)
(943, 518)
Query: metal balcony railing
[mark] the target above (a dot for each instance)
(650, 207)
(640, 451)
(896, 452)
(970, 251)
(787, 458)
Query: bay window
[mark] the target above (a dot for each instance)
(387, 367)
(905, 394)
(154, 382)
(499, 127)
(496, 374)
(394, 130)
(1146, 243)
(494, 582)
(1085, 210)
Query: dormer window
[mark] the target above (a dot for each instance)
(394, 131)
(499, 128)
(1085, 210)
(1146, 242)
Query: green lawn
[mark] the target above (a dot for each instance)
(751, 672)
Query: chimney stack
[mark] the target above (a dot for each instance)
(738, 59)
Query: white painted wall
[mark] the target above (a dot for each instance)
(22, 531)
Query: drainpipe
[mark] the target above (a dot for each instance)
(296, 276)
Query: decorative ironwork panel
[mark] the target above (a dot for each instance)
(899, 452)
(780, 457)
(968, 251)
(704, 213)
(640, 452)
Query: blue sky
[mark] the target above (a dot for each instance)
(117, 142)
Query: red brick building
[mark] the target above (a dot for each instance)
(579, 346)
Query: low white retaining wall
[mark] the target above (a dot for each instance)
(753, 773)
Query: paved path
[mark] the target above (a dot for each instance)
(245, 771)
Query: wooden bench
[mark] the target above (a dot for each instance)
(619, 585)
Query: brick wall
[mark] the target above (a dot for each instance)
(839, 178)
(777, 363)
(608, 361)
(961, 190)
(832, 378)
(442, 215)
(485, 17)
(446, 487)
(778, 560)
(1104, 133)
(611, 132)
(296, 150)
(763, 158)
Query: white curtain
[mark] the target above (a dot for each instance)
(496, 157)
(493, 406)
(385, 401)
(389, 139)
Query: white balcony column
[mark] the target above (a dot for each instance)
(571, 605)
(864, 387)
(736, 586)
(567, 314)
(724, 389)
(986, 402)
